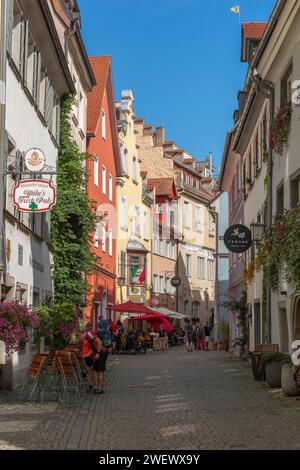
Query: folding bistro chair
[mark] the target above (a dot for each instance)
(33, 381)
(70, 385)
(81, 367)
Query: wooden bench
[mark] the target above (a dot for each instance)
(267, 348)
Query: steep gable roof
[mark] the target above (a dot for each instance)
(101, 67)
(251, 31)
(254, 30)
(163, 186)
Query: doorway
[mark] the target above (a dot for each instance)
(104, 305)
(257, 325)
(96, 314)
(283, 328)
(296, 320)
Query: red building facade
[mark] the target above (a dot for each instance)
(103, 166)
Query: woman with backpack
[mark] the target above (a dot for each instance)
(95, 355)
(91, 349)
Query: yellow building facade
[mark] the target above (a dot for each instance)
(134, 221)
(195, 220)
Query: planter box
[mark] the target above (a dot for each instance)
(288, 383)
(273, 374)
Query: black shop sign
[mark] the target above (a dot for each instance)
(237, 238)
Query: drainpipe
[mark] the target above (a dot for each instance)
(266, 88)
(2, 128)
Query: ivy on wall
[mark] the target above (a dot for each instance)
(73, 219)
(281, 250)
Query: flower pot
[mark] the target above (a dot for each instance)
(287, 380)
(273, 374)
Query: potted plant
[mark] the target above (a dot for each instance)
(273, 363)
(58, 324)
(288, 383)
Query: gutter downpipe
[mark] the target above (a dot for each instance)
(3, 41)
(269, 86)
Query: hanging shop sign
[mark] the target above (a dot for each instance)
(35, 160)
(237, 238)
(34, 196)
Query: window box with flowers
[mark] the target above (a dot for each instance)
(16, 320)
(280, 129)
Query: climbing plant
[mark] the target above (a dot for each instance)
(73, 219)
(280, 129)
(240, 308)
(281, 250)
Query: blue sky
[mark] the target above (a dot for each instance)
(181, 58)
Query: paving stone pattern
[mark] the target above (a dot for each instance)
(169, 400)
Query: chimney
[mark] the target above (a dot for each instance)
(160, 136)
(127, 95)
(210, 163)
(148, 130)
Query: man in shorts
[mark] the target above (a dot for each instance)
(95, 355)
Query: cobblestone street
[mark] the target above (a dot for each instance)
(172, 400)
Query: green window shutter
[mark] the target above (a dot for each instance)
(49, 104)
(58, 120)
(37, 78)
(10, 20)
(23, 49)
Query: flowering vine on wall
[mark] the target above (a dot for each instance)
(281, 250)
(280, 129)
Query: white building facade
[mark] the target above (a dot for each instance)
(37, 77)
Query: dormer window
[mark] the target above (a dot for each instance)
(252, 48)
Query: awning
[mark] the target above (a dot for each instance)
(156, 321)
(170, 313)
(133, 307)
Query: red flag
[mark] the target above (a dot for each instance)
(142, 276)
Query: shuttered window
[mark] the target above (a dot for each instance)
(10, 20)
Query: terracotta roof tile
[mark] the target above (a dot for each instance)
(163, 186)
(100, 66)
(253, 30)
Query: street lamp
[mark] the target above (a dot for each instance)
(257, 231)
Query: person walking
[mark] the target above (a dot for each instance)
(100, 361)
(189, 336)
(162, 341)
(207, 331)
(200, 333)
(91, 349)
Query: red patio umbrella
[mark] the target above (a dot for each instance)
(133, 307)
(149, 317)
(156, 321)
